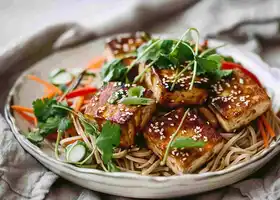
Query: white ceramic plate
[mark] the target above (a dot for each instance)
(128, 184)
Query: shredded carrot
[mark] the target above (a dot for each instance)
(268, 127)
(79, 103)
(264, 136)
(29, 118)
(49, 95)
(70, 140)
(97, 62)
(22, 108)
(46, 84)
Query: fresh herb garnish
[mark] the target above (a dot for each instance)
(136, 101)
(183, 142)
(112, 167)
(50, 119)
(173, 137)
(108, 139)
(113, 71)
(136, 91)
(173, 54)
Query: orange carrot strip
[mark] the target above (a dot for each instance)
(268, 127)
(45, 83)
(264, 136)
(79, 103)
(29, 118)
(70, 140)
(49, 95)
(22, 108)
(97, 62)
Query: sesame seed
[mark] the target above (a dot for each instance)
(171, 124)
(170, 119)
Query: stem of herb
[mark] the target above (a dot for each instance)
(193, 76)
(209, 50)
(140, 56)
(178, 75)
(137, 78)
(181, 39)
(59, 133)
(73, 112)
(173, 137)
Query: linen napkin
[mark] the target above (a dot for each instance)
(251, 24)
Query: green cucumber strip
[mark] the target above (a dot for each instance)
(62, 78)
(76, 152)
(55, 72)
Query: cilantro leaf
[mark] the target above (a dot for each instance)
(113, 71)
(90, 128)
(112, 167)
(49, 126)
(43, 109)
(215, 57)
(108, 139)
(64, 124)
(35, 137)
(137, 91)
(182, 53)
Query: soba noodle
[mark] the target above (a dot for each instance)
(238, 147)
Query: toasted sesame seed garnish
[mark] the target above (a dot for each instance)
(170, 119)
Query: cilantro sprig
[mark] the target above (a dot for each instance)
(50, 119)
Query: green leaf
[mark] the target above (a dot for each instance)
(43, 109)
(90, 128)
(113, 71)
(223, 73)
(182, 53)
(136, 101)
(183, 142)
(137, 91)
(49, 126)
(108, 139)
(207, 66)
(64, 124)
(112, 167)
(35, 137)
(215, 57)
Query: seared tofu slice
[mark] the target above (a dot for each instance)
(160, 82)
(131, 118)
(158, 132)
(238, 100)
(124, 44)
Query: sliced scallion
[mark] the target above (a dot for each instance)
(137, 101)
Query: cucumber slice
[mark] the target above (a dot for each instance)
(62, 78)
(76, 152)
(76, 71)
(56, 72)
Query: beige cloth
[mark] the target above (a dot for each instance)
(250, 23)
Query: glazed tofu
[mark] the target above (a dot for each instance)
(238, 100)
(131, 118)
(158, 132)
(160, 82)
(124, 44)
